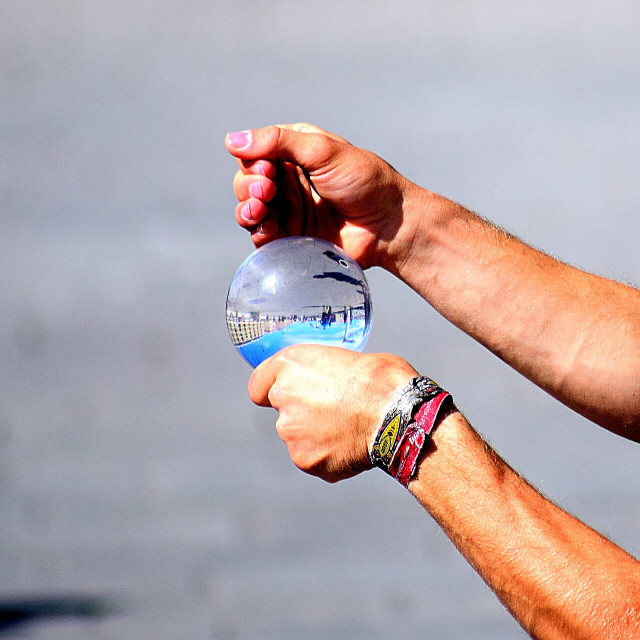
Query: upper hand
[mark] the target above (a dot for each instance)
(331, 403)
(301, 180)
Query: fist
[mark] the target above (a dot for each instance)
(331, 402)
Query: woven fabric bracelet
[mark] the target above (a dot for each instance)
(405, 461)
(407, 427)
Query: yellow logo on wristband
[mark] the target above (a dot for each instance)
(388, 438)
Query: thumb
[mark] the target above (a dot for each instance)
(261, 381)
(301, 144)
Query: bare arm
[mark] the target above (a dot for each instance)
(559, 578)
(574, 334)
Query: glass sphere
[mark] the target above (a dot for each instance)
(297, 290)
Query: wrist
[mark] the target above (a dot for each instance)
(458, 472)
(411, 237)
(405, 432)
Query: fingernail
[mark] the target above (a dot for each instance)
(258, 169)
(239, 139)
(255, 189)
(245, 212)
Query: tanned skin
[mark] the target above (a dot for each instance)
(574, 334)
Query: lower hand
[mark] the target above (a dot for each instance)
(331, 402)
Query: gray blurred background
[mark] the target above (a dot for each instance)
(141, 494)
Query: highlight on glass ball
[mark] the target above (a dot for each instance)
(297, 290)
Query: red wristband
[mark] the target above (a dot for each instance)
(405, 460)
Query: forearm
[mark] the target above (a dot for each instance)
(558, 577)
(574, 334)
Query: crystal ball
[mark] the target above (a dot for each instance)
(297, 290)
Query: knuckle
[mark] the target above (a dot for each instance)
(274, 398)
(272, 135)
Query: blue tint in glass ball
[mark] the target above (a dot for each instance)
(297, 290)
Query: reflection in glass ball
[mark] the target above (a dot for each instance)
(297, 290)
